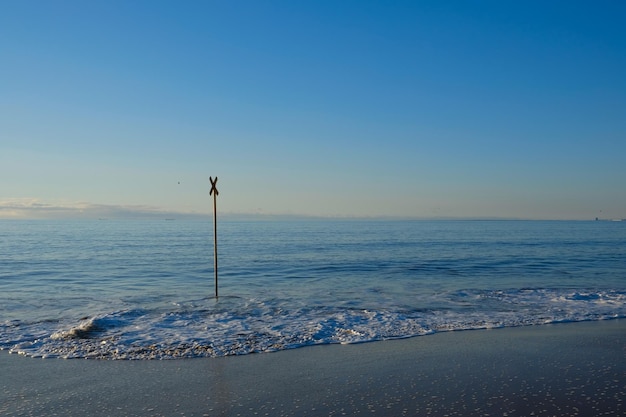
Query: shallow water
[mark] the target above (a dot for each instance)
(144, 289)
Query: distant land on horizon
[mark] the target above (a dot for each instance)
(35, 209)
(169, 216)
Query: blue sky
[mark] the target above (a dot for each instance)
(325, 108)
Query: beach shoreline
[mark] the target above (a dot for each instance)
(556, 369)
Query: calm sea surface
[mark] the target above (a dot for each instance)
(144, 289)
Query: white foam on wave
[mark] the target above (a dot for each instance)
(206, 328)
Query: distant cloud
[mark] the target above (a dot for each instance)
(31, 208)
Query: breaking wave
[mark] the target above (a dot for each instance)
(238, 326)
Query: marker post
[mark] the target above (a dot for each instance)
(214, 193)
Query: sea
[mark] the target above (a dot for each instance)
(145, 289)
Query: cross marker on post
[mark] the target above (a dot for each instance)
(214, 193)
(213, 186)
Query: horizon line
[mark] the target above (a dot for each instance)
(35, 209)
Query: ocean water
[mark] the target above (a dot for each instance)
(144, 289)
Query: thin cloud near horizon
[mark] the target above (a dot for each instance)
(37, 209)
(31, 208)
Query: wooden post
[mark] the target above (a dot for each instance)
(214, 193)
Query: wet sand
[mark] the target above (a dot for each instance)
(572, 369)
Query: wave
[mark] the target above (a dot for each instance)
(237, 326)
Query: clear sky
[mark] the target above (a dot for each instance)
(327, 108)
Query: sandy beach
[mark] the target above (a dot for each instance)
(553, 370)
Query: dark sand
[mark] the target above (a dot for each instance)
(574, 369)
